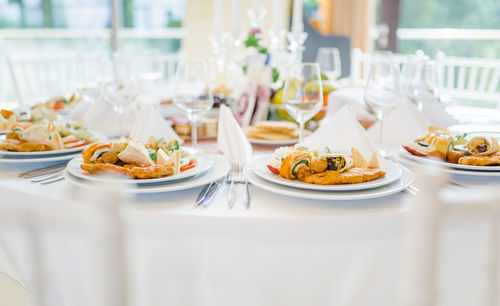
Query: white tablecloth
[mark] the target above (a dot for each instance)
(282, 251)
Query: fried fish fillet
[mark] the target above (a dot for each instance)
(134, 172)
(351, 176)
(16, 145)
(481, 160)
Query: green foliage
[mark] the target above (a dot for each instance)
(252, 41)
(276, 74)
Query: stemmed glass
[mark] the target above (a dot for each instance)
(420, 82)
(303, 93)
(382, 92)
(193, 93)
(328, 60)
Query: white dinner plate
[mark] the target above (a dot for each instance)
(203, 163)
(410, 162)
(392, 188)
(46, 159)
(3, 132)
(266, 142)
(436, 162)
(393, 173)
(42, 153)
(218, 171)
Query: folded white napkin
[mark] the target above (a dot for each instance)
(231, 139)
(342, 132)
(104, 118)
(437, 115)
(149, 123)
(400, 126)
(354, 97)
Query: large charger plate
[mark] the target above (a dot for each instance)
(43, 159)
(393, 173)
(436, 162)
(392, 188)
(203, 163)
(218, 171)
(268, 142)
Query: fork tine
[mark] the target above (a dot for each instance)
(34, 171)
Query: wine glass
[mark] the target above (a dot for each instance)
(328, 60)
(303, 93)
(193, 94)
(420, 82)
(382, 92)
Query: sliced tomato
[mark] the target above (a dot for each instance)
(58, 106)
(191, 165)
(72, 141)
(414, 152)
(273, 170)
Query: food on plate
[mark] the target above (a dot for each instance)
(273, 130)
(439, 143)
(58, 103)
(157, 158)
(29, 137)
(7, 120)
(324, 167)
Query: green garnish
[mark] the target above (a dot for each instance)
(327, 149)
(296, 166)
(153, 155)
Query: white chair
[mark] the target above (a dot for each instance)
(74, 252)
(360, 63)
(469, 78)
(148, 66)
(38, 79)
(424, 239)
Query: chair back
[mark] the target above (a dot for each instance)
(151, 66)
(360, 63)
(425, 235)
(38, 79)
(71, 252)
(469, 78)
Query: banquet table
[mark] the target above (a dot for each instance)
(281, 251)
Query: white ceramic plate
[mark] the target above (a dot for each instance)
(217, 172)
(265, 142)
(46, 159)
(204, 163)
(42, 153)
(410, 162)
(395, 187)
(393, 173)
(2, 132)
(439, 163)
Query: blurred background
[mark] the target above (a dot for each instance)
(466, 28)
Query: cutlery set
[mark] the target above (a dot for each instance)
(235, 176)
(45, 175)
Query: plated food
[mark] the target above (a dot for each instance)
(438, 143)
(57, 104)
(47, 136)
(324, 167)
(157, 158)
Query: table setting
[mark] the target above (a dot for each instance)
(250, 177)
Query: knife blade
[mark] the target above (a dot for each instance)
(211, 193)
(203, 194)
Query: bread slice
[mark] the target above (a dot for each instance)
(55, 141)
(357, 158)
(373, 162)
(281, 127)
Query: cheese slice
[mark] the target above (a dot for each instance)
(55, 141)
(175, 160)
(358, 160)
(11, 121)
(373, 162)
(161, 158)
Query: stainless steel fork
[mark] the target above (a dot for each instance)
(237, 176)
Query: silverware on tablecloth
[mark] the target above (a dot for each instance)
(54, 179)
(203, 194)
(231, 197)
(216, 186)
(237, 176)
(42, 171)
(47, 177)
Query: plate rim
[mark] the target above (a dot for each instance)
(268, 142)
(345, 195)
(47, 159)
(169, 187)
(419, 159)
(334, 188)
(98, 179)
